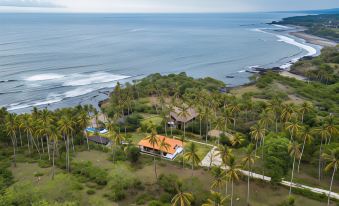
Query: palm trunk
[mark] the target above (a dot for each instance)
(28, 145)
(14, 150)
(155, 168)
(301, 155)
(289, 194)
(42, 146)
(53, 158)
(321, 144)
(248, 183)
(329, 193)
(232, 194)
(87, 140)
(262, 156)
(20, 137)
(47, 142)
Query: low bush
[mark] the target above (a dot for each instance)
(90, 172)
(90, 192)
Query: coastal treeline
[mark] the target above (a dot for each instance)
(262, 132)
(323, 25)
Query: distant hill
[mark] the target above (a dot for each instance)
(320, 11)
(323, 25)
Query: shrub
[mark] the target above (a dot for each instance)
(90, 192)
(133, 154)
(143, 198)
(167, 182)
(90, 172)
(38, 174)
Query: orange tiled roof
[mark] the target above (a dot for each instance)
(172, 142)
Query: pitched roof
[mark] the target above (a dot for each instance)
(97, 139)
(172, 142)
(191, 114)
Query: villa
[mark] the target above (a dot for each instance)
(175, 147)
(179, 120)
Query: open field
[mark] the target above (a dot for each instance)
(261, 194)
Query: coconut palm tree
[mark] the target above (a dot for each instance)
(192, 155)
(181, 198)
(266, 119)
(237, 139)
(305, 107)
(306, 135)
(293, 128)
(45, 120)
(275, 107)
(184, 114)
(235, 109)
(257, 133)
(11, 127)
(224, 152)
(163, 145)
(116, 140)
(216, 199)
(322, 132)
(288, 111)
(54, 136)
(248, 161)
(331, 127)
(25, 125)
(228, 118)
(153, 140)
(333, 164)
(83, 121)
(232, 173)
(218, 178)
(294, 151)
(65, 125)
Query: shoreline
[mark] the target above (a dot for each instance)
(296, 33)
(316, 40)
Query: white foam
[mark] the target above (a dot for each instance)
(241, 71)
(94, 78)
(281, 26)
(78, 92)
(44, 77)
(311, 51)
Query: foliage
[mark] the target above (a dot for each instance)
(90, 172)
(133, 154)
(277, 158)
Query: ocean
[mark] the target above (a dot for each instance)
(58, 60)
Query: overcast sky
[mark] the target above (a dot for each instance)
(124, 6)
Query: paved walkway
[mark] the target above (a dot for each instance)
(212, 159)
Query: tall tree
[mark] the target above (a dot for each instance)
(83, 121)
(163, 145)
(11, 127)
(248, 161)
(333, 164)
(305, 108)
(233, 174)
(293, 128)
(294, 151)
(216, 199)
(181, 198)
(153, 140)
(192, 155)
(322, 132)
(306, 136)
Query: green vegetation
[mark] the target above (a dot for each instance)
(323, 25)
(46, 158)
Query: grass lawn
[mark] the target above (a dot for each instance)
(262, 194)
(155, 119)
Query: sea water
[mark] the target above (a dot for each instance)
(57, 60)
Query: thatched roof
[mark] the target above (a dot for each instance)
(98, 140)
(191, 114)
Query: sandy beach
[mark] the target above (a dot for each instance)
(314, 39)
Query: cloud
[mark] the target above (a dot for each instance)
(29, 3)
